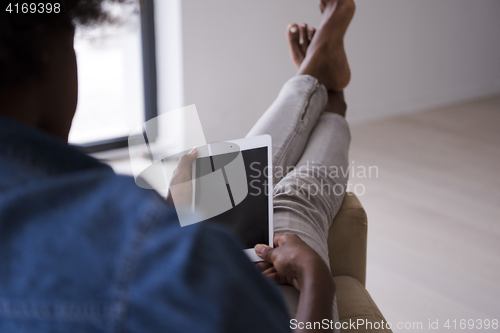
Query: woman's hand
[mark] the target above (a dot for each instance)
(180, 188)
(291, 262)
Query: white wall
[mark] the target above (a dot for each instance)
(415, 54)
(405, 56)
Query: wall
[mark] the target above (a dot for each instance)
(405, 56)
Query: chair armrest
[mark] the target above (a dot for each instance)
(355, 303)
(347, 240)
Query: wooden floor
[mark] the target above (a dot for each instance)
(433, 212)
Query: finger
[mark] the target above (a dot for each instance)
(278, 278)
(263, 265)
(273, 278)
(183, 170)
(186, 160)
(269, 271)
(279, 239)
(265, 252)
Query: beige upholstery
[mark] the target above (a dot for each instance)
(347, 250)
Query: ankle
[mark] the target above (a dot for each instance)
(336, 103)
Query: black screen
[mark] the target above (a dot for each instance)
(249, 220)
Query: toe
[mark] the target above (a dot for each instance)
(292, 32)
(293, 36)
(304, 37)
(312, 31)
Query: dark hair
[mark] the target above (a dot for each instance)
(21, 46)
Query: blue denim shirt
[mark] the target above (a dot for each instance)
(85, 250)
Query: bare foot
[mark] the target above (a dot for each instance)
(299, 39)
(326, 59)
(298, 49)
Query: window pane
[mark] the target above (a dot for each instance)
(110, 78)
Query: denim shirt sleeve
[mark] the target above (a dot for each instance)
(194, 279)
(94, 253)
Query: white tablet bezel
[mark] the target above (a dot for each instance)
(260, 141)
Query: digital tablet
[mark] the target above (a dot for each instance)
(232, 188)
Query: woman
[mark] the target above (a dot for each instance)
(86, 250)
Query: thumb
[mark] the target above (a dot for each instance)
(265, 252)
(189, 158)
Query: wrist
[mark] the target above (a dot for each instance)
(314, 273)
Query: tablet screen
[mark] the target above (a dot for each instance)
(249, 220)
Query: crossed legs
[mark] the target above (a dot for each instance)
(313, 148)
(310, 135)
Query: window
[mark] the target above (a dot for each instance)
(117, 79)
